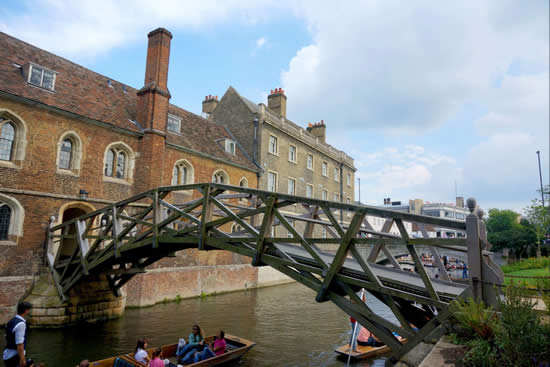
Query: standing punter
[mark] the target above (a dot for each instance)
(16, 337)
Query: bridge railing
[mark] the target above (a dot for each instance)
(322, 247)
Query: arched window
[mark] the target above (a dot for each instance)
(66, 154)
(5, 220)
(236, 227)
(182, 173)
(12, 139)
(69, 153)
(119, 162)
(221, 177)
(7, 138)
(243, 182)
(12, 215)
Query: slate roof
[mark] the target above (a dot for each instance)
(86, 93)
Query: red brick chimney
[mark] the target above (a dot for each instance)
(154, 97)
(319, 130)
(152, 111)
(276, 101)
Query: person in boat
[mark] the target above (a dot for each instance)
(353, 330)
(84, 363)
(156, 360)
(215, 348)
(366, 338)
(196, 338)
(141, 354)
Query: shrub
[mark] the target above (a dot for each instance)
(531, 263)
(512, 337)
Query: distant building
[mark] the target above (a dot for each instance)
(456, 211)
(294, 160)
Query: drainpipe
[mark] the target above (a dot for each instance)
(341, 191)
(255, 151)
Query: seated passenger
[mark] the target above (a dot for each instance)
(155, 360)
(196, 338)
(365, 337)
(214, 349)
(141, 355)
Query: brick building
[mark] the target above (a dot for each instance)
(72, 141)
(295, 160)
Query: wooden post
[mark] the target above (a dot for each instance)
(474, 250)
(206, 216)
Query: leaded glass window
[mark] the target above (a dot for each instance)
(109, 163)
(66, 154)
(5, 217)
(7, 138)
(120, 165)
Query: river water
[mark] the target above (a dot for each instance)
(289, 327)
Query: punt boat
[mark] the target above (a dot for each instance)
(236, 347)
(365, 351)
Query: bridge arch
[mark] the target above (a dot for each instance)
(67, 212)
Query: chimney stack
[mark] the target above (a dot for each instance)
(319, 130)
(276, 101)
(154, 97)
(209, 104)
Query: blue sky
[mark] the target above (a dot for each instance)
(422, 94)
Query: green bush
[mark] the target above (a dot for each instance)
(513, 336)
(544, 291)
(531, 263)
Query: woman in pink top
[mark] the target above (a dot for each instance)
(212, 350)
(155, 360)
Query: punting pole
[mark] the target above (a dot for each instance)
(353, 336)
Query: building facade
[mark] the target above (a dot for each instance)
(73, 141)
(293, 160)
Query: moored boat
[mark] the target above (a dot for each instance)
(235, 349)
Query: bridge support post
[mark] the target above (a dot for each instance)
(474, 250)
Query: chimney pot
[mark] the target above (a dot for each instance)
(276, 102)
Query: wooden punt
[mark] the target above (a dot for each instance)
(365, 352)
(236, 347)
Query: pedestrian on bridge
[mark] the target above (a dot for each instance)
(16, 337)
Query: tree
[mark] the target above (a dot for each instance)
(505, 230)
(539, 217)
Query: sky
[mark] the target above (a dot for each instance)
(431, 98)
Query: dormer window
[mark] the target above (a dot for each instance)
(174, 123)
(41, 77)
(230, 146)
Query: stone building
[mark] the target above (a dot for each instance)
(294, 160)
(73, 141)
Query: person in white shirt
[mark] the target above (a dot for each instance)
(16, 337)
(141, 355)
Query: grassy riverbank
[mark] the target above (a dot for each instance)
(533, 267)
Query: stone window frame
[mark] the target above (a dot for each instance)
(336, 197)
(323, 232)
(190, 172)
(288, 185)
(312, 190)
(324, 194)
(245, 180)
(120, 146)
(312, 168)
(221, 171)
(336, 174)
(348, 179)
(236, 227)
(276, 180)
(17, 218)
(74, 169)
(348, 201)
(292, 223)
(276, 153)
(295, 161)
(20, 141)
(324, 169)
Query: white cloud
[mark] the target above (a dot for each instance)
(87, 28)
(260, 42)
(408, 65)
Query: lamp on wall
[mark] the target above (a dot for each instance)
(83, 194)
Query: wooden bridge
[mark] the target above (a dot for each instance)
(122, 239)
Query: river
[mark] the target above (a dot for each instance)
(289, 327)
